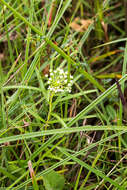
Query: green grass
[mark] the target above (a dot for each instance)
(62, 141)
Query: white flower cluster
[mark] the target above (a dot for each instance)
(58, 81)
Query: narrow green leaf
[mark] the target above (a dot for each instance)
(95, 171)
(61, 131)
(96, 101)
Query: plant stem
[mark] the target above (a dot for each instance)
(49, 113)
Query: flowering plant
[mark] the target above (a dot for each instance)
(59, 81)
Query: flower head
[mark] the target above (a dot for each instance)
(59, 82)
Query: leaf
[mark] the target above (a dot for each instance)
(53, 181)
(80, 25)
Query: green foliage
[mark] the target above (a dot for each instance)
(74, 139)
(53, 180)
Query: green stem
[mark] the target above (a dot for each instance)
(50, 109)
(49, 113)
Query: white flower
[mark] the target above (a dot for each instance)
(61, 71)
(61, 76)
(46, 75)
(49, 88)
(58, 81)
(69, 84)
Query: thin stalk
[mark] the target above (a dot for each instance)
(49, 113)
